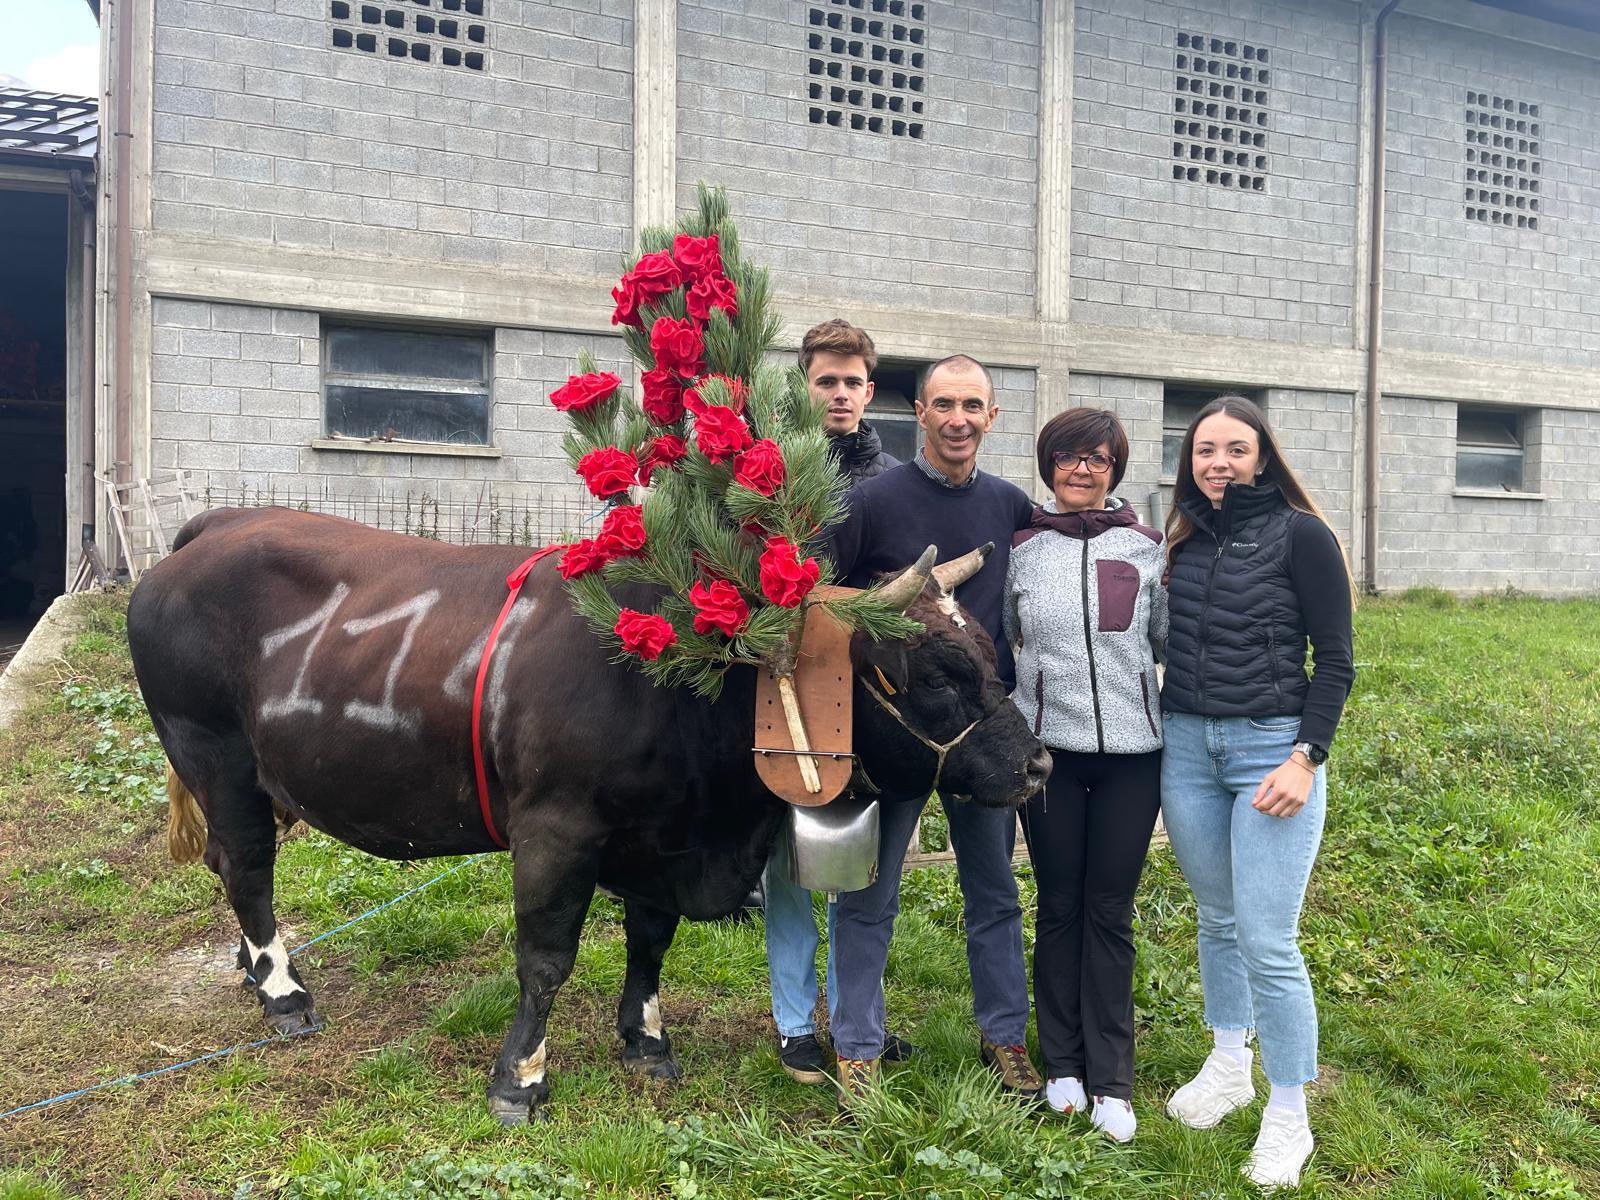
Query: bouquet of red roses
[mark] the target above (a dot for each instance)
(731, 460)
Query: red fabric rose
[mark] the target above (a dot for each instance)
(697, 256)
(626, 294)
(720, 607)
(584, 392)
(644, 634)
(712, 291)
(664, 451)
(581, 558)
(622, 533)
(720, 432)
(608, 471)
(663, 396)
(653, 276)
(738, 393)
(760, 468)
(785, 580)
(678, 346)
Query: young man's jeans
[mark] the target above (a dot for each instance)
(983, 839)
(792, 947)
(1248, 872)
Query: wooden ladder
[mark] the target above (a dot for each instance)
(142, 512)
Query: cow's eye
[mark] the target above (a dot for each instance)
(938, 683)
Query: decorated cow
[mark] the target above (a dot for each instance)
(592, 711)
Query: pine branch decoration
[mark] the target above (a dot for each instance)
(731, 459)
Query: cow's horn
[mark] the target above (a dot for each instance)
(957, 571)
(905, 587)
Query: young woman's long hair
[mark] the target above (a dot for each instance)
(1275, 469)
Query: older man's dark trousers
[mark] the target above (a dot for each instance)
(982, 839)
(1088, 833)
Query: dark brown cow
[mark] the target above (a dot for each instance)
(322, 667)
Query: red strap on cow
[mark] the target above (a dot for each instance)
(514, 581)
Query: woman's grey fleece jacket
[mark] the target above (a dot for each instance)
(1084, 594)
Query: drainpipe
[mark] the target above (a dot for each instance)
(122, 182)
(1380, 105)
(86, 387)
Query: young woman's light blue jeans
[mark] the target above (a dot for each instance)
(1248, 872)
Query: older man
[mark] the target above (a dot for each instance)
(940, 499)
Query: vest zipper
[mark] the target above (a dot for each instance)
(1205, 627)
(1088, 645)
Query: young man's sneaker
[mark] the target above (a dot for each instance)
(855, 1076)
(802, 1058)
(1281, 1149)
(896, 1049)
(1065, 1094)
(1222, 1085)
(1015, 1070)
(1114, 1118)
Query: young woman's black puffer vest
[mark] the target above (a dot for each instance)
(1237, 646)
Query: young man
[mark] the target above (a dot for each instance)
(838, 360)
(941, 499)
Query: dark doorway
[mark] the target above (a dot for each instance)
(891, 412)
(33, 408)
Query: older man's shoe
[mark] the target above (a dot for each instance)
(1013, 1068)
(802, 1058)
(855, 1076)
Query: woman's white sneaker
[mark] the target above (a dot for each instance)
(1281, 1149)
(1114, 1118)
(1222, 1085)
(1065, 1094)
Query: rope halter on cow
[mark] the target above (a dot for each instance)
(940, 749)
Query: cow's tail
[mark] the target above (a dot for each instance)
(186, 824)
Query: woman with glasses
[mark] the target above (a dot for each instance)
(1085, 599)
(1257, 578)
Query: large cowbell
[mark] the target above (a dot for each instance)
(834, 847)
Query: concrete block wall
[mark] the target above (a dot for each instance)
(236, 400)
(1454, 286)
(1157, 253)
(1008, 446)
(945, 223)
(1431, 535)
(263, 131)
(1317, 433)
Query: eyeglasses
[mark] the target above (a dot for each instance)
(1066, 460)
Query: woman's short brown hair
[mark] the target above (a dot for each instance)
(1082, 431)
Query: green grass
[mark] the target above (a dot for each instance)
(1453, 932)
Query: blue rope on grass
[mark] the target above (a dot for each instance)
(267, 1041)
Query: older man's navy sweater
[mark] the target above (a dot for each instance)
(895, 516)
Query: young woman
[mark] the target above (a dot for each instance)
(1255, 574)
(1084, 594)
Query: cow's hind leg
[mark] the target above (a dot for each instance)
(553, 880)
(646, 1047)
(242, 847)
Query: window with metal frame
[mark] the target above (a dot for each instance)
(1179, 407)
(416, 385)
(1490, 452)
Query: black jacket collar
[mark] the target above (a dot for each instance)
(1240, 502)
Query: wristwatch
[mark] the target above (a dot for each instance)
(1315, 753)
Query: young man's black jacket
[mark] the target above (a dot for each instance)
(860, 455)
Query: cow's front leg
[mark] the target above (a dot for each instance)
(646, 1048)
(553, 879)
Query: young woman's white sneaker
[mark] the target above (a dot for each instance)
(1281, 1149)
(1065, 1094)
(1114, 1118)
(1222, 1085)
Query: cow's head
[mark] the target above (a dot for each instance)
(930, 711)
